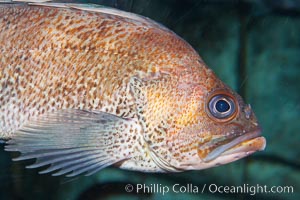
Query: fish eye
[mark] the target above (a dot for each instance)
(222, 106)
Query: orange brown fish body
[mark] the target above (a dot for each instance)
(82, 88)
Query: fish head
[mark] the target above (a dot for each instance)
(231, 131)
(222, 128)
(195, 121)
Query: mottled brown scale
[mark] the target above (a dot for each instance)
(65, 46)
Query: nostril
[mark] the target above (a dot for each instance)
(248, 111)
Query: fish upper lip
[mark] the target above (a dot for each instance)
(219, 150)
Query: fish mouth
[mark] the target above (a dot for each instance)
(247, 143)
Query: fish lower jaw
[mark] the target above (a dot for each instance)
(241, 150)
(236, 152)
(248, 146)
(247, 140)
(224, 159)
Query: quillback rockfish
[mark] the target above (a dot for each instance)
(83, 87)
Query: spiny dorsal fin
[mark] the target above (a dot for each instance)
(85, 7)
(73, 141)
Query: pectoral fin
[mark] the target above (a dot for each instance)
(73, 141)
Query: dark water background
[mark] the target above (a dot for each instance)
(253, 46)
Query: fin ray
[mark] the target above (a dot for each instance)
(54, 159)
(87, 162)
(38, 154)
(90, 169)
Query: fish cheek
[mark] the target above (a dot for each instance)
(153, 114)
(170, 119)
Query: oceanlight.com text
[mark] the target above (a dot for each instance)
(207, 188)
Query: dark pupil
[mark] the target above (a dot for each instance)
(222, 106)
